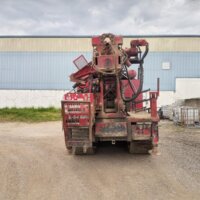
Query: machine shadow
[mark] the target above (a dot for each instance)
(109, 148)
(120, 148)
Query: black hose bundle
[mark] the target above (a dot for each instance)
(140, 77)
(135, 93)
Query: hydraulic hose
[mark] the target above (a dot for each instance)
(135, 93)
(140, 78)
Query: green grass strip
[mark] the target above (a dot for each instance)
(30, 114)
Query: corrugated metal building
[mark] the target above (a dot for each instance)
(44, 63)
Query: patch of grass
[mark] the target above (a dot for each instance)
(30, 114)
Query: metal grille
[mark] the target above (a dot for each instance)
(187, 116)
(190, 116)
(80, 133)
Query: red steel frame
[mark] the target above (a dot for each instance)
(101, 123)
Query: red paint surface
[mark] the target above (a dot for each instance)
(129, 93)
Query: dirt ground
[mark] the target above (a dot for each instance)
(35, 165)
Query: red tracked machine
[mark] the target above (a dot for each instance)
(107, 101)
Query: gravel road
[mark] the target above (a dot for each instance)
(35, 165)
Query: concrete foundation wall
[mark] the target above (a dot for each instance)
(186, 88)
(30, 98)
(46, 98)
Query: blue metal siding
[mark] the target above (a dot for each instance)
(183, 65)
(50, 70)
(37, 70)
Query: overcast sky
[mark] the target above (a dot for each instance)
(92, 17)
